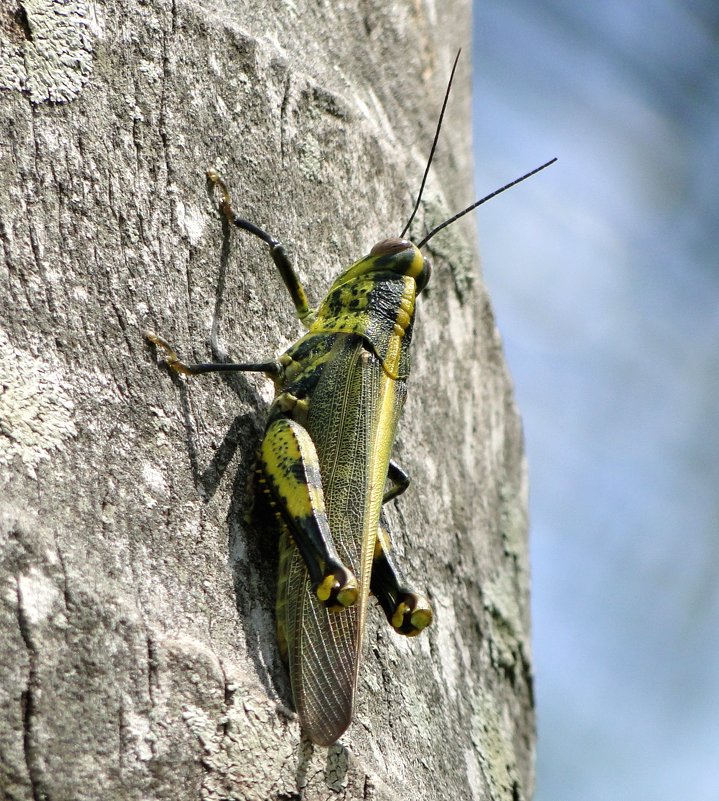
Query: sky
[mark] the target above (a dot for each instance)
(604, 276)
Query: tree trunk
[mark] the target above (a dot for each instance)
(138, 656)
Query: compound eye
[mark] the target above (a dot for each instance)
(388, 247)
(423, 278)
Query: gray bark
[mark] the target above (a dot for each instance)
(137, 656)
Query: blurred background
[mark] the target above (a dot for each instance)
(604, 274)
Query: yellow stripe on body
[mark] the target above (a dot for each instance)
(381, 445)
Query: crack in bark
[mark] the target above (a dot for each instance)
(152, 682)
(20, 18)
(516, 792)
(7, 257)
(37, 259)
(188, 287)
(189, 420)
(136, 129)
(164, 136)
(121, 739)
(24, 21)
(151, 668)
(386, 679)
(32, 232)
(367, 788)
(123, 326)
(29, 705)
(283, 117)
(65, 589)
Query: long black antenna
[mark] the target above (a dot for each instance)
(483, 200)
(434, 146)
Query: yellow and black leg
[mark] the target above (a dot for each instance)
(291, 470)
(176, 365)
(277, 250)
(407, 611)
(400, 481)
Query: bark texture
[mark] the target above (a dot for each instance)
(137, 653)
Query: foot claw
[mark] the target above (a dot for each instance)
(412, 615)
(338, 590)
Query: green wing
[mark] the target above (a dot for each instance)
(352, 418)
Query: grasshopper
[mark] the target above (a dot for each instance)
(325, 459)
